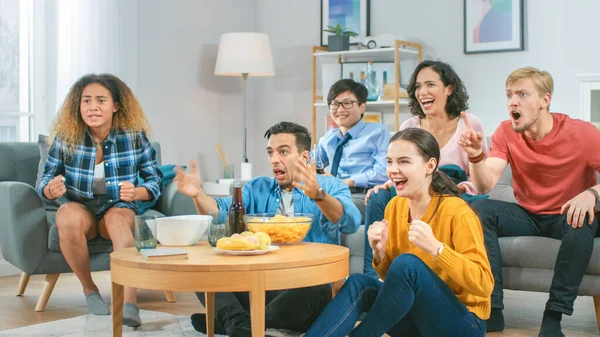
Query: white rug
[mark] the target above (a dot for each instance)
(154, 323)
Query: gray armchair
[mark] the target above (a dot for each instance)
(29, 238)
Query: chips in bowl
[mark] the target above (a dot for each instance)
(280, 228)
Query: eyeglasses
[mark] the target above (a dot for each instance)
(334, 105)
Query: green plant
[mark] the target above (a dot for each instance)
(338, 30)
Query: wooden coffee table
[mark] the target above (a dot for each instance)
(206, 270)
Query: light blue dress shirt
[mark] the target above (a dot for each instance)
(363, 157)
(263, 195)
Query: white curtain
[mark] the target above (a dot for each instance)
(94, 37)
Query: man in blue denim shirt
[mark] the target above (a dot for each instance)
(295, 188)
(355, 151)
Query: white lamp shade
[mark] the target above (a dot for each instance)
(244, 53)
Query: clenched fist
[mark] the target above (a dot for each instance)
(127, 191)
(421, 235)
(56, 188)
(378, 236)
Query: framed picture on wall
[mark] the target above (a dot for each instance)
(493, 26)
(350, 14)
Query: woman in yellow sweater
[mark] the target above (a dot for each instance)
(437, 279)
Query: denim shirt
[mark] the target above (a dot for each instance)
(263, 195)
(363, 157)
(126, 154)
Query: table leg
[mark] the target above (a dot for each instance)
(336, 286)
(209, 300)
(257, 305)
(117, 309)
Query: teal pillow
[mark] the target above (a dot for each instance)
(168, 172)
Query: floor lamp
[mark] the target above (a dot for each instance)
(244, 54)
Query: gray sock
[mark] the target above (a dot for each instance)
(96, 305)
(131, 315)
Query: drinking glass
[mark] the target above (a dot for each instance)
(219, 227)
(144, 232)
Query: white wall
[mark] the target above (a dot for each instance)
(560, 37)
(189, 108)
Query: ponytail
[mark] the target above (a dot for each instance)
(444, 186)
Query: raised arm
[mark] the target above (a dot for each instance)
(189, 183)
(484, 173)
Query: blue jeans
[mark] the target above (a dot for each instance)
(374, 212)
(412, 302)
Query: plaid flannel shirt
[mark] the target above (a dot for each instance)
(126, 154)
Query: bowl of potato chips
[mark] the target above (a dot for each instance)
(280, 228)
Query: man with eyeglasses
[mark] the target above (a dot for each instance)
(356, 150)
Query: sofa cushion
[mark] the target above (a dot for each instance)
(539, 253)
(356, 243)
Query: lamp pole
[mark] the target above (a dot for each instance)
(244, 79)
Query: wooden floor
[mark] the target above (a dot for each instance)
(522, 313)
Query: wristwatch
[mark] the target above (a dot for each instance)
(320, 194)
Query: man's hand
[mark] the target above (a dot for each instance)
(188, 183)
(56, 188)
(308, 175)
(378, 236)
(385, 186)
(421, 235)
(127, 191)
(470, 140)
(350, 182)
(577, 207)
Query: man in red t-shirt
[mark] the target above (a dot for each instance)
(554, 160)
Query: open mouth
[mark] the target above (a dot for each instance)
(279, 173)
(399, 183)
(427, 103)
(515, 115)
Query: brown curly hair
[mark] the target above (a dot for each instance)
(69, 125)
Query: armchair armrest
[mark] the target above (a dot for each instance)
(173, 203)
(23, 225)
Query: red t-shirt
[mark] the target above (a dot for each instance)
(550, 171)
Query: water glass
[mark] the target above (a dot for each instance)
(219, 227)
(144, 232)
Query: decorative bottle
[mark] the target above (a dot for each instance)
(371, 83)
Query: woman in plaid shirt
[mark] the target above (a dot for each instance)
(99, 149)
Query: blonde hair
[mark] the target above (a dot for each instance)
(69, 126)
(542, 79)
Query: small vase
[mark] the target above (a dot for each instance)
(338, 42)
(371, 83)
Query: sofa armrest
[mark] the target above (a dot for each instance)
(173, 203)
(23, 225)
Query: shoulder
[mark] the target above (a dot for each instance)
(375, 130)
(455, 207)
(410, 123)
(473, 120)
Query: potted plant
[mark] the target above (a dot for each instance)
(340, 40)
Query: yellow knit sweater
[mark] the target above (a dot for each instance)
(463, 264)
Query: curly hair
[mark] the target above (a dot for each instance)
(457, 101)
(69, 125)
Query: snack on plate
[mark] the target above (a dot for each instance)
(281, 228)
(245, 241)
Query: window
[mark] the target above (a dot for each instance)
(15, 40)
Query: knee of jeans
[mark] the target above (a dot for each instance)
(381, 198)
(405, 264)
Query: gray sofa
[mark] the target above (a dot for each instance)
(28, 235)
(527, 262)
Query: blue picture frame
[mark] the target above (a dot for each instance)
(351, 14)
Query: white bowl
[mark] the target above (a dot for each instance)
(182, 230)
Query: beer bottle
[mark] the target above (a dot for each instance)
(236, 211)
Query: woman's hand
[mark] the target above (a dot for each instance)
(421, 235)
(378, 236)
(386, 186)
(127, 191)
(56, 188)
